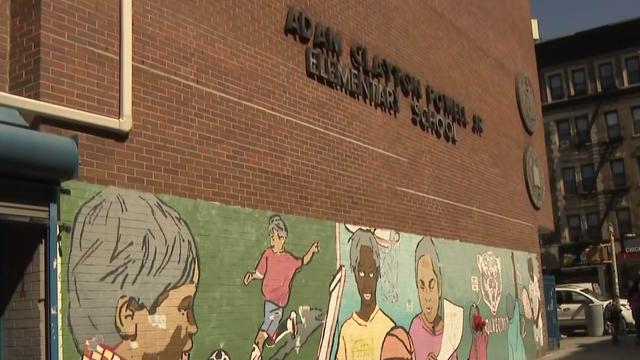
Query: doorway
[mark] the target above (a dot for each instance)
(23, 329)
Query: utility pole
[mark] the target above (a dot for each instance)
(614, 266)
(616, 310)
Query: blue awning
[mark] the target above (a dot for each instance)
(32, 155)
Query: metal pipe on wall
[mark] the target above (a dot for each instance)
(121, 125)
(51, 288)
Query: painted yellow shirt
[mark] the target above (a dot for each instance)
(362, 340)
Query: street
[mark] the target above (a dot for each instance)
(586, 348)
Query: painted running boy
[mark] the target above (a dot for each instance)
(276, 268)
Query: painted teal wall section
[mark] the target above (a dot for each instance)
(461, 285)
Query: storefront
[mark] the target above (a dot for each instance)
(32, 166)
(629, 263)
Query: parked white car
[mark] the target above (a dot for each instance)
(574, 298)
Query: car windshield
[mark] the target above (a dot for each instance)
(596, 295)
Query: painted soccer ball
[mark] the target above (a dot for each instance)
(219, 354)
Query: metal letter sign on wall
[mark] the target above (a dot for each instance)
(534, 177)
(526, 102)
(377, 80)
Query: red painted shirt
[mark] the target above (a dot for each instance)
(277, 270)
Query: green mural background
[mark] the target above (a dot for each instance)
(230, 241)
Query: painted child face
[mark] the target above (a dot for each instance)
(168, 333)
(428, 288)
(277, 241)
(367, 276)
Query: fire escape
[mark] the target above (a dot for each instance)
(603, 152)
(608, 197)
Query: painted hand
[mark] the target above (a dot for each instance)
(315, 247)
(248, 277)
(432, 356)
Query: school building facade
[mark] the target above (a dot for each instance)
(299, 180)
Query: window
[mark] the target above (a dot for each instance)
(564, 132)
(583, 134)
(23, 289)
(569, 180)
(632, 65)
(579, 82)
(571, 297)
(624, 221)
(593, 226)
(613, 125)
(635, 114)
(588, 178)
(607, 78)
(561, 296)
(556, 88)
(617, 170)
(575, 228)
(574, 297)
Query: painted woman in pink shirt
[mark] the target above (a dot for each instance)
(276, 268)
(427, 328)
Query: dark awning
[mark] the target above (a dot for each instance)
(32, 155)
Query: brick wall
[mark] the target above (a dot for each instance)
(4, 44)
(81, 39)
(223, 111)
(24, 50)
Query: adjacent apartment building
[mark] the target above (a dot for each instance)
(590, 86)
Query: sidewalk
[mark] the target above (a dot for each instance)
(587, 348)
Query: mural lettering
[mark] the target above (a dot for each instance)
(498, 324)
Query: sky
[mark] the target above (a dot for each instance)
(563, 17)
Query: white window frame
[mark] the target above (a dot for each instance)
(575, 125)
(571, 134)
(575, 180)
(625, 77)
(593, 173)
(606, 124)
(613, 69)
(586, 75)
(579, 216)
(548, 85)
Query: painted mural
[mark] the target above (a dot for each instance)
(159, 277)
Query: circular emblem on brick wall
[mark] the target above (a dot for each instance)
(526, 102)
(534, 177)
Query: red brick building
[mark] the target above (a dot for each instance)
(219, 106)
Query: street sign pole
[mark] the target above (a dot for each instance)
(614, 265)
(616, 311)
